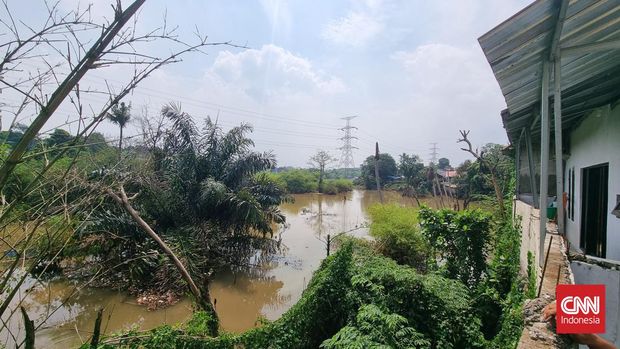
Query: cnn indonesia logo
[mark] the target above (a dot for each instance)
(580, 308)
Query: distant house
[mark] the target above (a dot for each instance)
(558, 66)
(447, 175)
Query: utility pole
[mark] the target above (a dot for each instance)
(433, 160)
(346, 159)
(377, 171)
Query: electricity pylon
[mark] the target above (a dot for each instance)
(346, 158)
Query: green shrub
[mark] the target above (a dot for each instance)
(343, 185)
(531, 275)
(461, 240)
(299, 181)
(373, 328)
(358, 293)
(398, 235)
(201, 324)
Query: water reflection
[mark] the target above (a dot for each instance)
(243, 295)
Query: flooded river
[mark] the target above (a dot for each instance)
(242, 298)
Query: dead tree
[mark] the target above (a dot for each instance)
(320, 160)
(499, 195)
(42, 70)
(202, 298)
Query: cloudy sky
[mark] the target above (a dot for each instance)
(411, 70)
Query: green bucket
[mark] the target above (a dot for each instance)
(551, 212)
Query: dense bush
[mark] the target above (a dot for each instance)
(461, 240)
(337, 186)
(358, 293)
(373, 328)
(397, 232)
(298, 181)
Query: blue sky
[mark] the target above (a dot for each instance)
(411, 71)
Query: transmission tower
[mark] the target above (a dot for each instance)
(346, 158)
(433, 153)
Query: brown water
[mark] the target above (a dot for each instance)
(242, 298)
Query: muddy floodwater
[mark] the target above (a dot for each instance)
(242, 297)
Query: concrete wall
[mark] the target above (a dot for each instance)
(530, 231)
(595, 141)
(593, 274)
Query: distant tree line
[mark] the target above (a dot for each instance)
(413, 178)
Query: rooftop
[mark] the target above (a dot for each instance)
(586, 33)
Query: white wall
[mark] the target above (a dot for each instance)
(596, 140)
(530, 232)
(592, 274)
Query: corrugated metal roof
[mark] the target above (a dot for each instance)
(517, 48)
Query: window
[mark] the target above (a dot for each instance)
(571, 194)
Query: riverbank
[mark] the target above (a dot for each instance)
(243, 295)
(357, 298)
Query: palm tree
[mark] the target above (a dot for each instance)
(205, 196)
(216, 174)
(120, 115)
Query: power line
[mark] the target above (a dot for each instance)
(346, 159)
(216, 106)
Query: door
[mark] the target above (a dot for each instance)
(594, 186)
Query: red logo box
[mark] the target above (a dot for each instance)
(580, 308)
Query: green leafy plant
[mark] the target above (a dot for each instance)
(531, 275)
(461, 240)
(373, 328)
(398, 234)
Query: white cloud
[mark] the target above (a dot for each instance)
(355, 29)
(450, 88)
(272, 72)
(446, 69)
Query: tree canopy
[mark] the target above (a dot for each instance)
(443, 163)
(387, 170)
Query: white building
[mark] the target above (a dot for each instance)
(557, 63)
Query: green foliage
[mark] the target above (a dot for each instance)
(437, 307)
(96, 142)
(511, 322)
(373, 328)
(200, 324)
(299, 181)
(443, 163)
(59, 137)
(461, 239)
(120, 114)
(413, 171)
(387, 170)
(337, 186)
(398, 234)
(15, 134)
(504, 267)
(356, 298)
(323, 309)
(336, 173)
(501, 297)
(204, 191)
(474, 180)
(531, 275)
(319, 161)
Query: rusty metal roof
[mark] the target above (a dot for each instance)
(516, 49)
